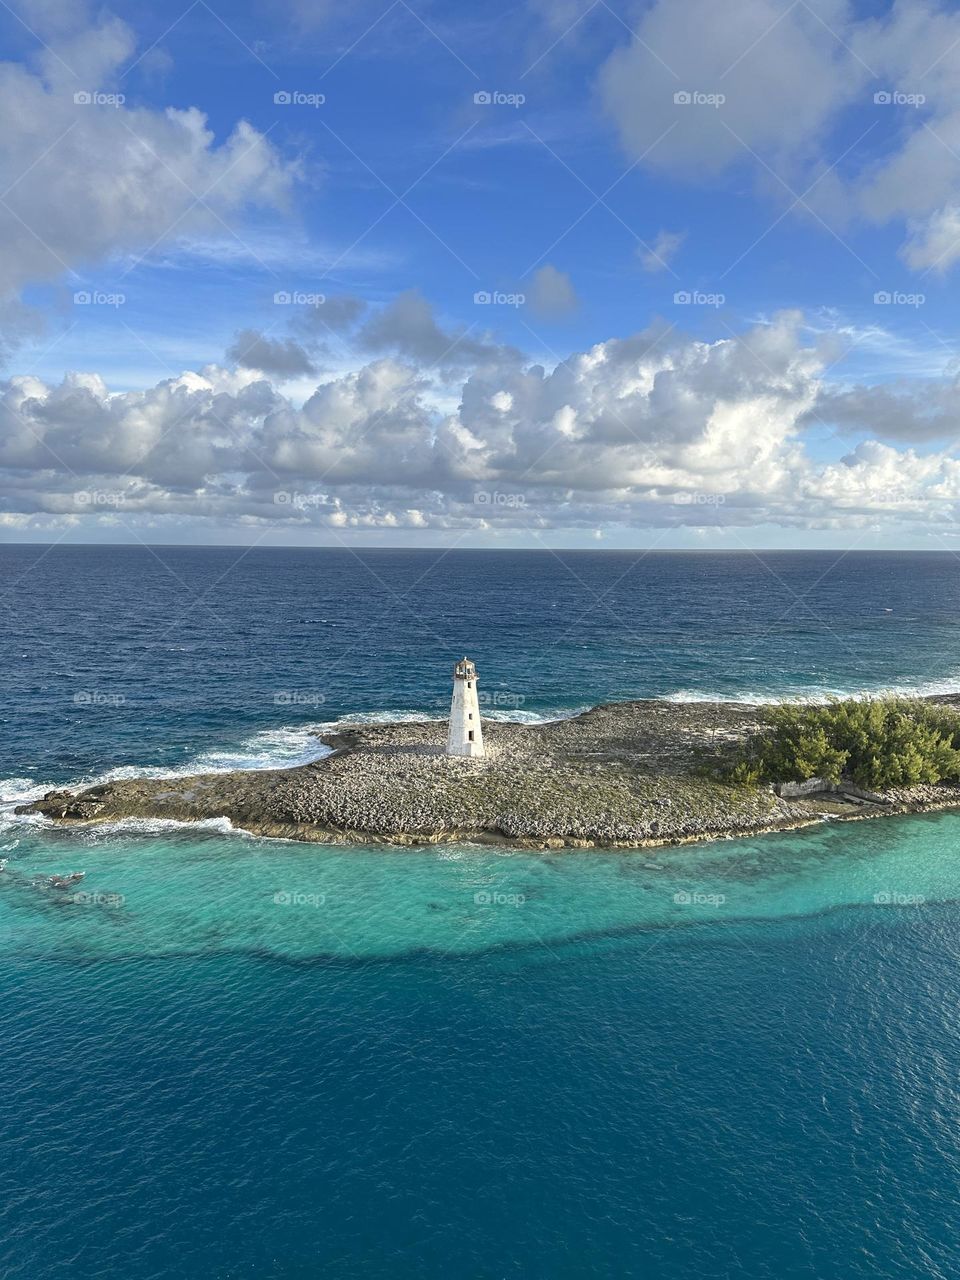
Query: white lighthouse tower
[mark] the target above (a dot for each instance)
(466, 736)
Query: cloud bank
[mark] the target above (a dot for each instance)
(656, 430)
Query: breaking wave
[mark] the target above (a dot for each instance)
(280, 748)
(919, 689)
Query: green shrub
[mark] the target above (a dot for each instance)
(878, 743)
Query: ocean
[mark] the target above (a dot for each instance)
(235, 1057)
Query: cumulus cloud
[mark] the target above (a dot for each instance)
(280, 356)
(786, 90)
(934, 244)
(654, 430)
(782, 74)
(335, 314)
(408, 327)
(918, 410)
(86, 175)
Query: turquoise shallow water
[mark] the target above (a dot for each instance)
(189, 892)
(229, 1057)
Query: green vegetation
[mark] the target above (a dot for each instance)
(879, 743)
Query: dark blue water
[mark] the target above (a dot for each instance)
(182, 650)
(199, 1081)
(779, 1101)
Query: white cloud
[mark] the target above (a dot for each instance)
(934, 244)
(785, 91)
(657, 257)
(85, 179)
(283, 357)
(654, 430)
(914, 410)
(407, 327)
(780, 71)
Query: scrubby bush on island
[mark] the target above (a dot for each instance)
(876, 743)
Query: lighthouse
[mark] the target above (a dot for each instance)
(465, 737)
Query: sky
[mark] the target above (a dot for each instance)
(547, 273)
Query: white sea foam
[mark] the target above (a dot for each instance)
(815, 697)
(18, 790)
(381, 717)
(511, 715)
(284, 747)
(14, 791)
(927, 688)
(289, 746)
(515, 716)
(146, 826)
(749, 698)
(279, 748)
(269, 749)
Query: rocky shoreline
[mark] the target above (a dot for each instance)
(622, 775)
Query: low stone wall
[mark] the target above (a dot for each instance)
(812, 787)
(850, 789)
(820, 786)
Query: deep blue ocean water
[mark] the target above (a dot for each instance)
(236, 1057)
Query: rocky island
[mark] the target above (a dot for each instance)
(621, 775)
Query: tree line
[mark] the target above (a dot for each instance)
(876, 743)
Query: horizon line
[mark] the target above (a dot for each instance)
(653, 550)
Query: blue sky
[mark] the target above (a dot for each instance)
(588, 197)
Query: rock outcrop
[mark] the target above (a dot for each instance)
(619, 775)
